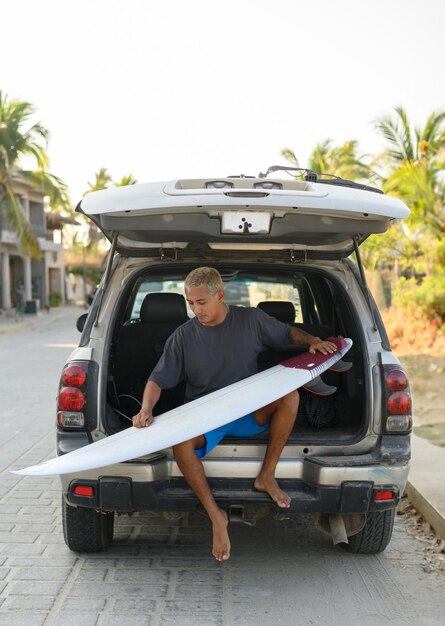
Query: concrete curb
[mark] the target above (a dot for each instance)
(425, 488)
(426, 509)
(13, 329)
(32, 323)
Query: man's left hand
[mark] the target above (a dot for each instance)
(325, 347)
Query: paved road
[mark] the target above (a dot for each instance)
(160, 572)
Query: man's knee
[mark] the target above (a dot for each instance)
(290, 402)
(188, 447)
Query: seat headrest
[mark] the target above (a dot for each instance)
(163, 308)
(283, 311)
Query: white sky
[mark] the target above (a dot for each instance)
(168, 88)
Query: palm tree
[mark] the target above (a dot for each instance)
(128, 179)
(103, 180)
(340, 161)
(412, 144)
(415, 164)
(20, 139)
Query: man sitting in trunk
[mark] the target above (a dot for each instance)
(216, 348)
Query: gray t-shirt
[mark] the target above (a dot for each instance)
(210, 357)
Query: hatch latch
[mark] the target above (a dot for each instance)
(168, 254)
(300, 257)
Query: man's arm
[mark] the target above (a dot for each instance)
(314, 343)
(151, 395)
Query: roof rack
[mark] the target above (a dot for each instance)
(316, 177)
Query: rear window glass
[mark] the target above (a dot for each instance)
(154, 286)
(250, 292)
(238, 292)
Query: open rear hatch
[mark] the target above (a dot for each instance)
(323, 220)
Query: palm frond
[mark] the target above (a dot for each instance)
(39, 130)
(16, 217)
(290, 156)
(16, 141)
(433, 132)
(39, 154)
(342, 160)
(102, 180)
(19, 138)
(128, 179)
(52, 186)
(391, 132)
(409, 149)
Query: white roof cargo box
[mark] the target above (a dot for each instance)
(312, 216)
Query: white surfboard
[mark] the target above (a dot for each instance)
(196, 417)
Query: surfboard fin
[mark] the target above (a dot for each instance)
(341, 366)
(319, 388)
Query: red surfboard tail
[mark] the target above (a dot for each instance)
(317, 363)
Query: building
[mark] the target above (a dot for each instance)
(36, 279)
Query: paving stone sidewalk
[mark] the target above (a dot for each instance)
(157, 572)
(160, 572)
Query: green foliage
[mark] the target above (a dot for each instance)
(382, 250)
(55, 299)
(399, 136)
(411, 168)
(103, 180)
(21, 139)
(440, 253)
(428, 296)
(342, 160)
(414, 167)
(414, 253)
(93, 273)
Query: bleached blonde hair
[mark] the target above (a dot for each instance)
(207, 277)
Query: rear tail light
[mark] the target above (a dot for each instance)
(73, 376)
(70, 419)
(72, 396)
(399, 423)
(71, 399)
(83, 490)
(397, 380)
(383, 495)
(397, 400)
(399, 403)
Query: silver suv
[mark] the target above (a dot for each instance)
(286, 247)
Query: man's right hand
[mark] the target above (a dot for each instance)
(143, 418)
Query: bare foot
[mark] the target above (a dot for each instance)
(221, 541)
(269, 485)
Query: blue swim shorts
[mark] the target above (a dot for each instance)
(243, 427)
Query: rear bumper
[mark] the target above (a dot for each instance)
(119, 493)
(318, 484)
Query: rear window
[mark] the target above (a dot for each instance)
(153, 286)
(239, 291)
(249, 292)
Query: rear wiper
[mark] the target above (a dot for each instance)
(316, 177)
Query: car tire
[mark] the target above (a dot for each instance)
(86, 530)
(375, 534)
